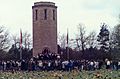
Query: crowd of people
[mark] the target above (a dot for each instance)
(50, 56)
(51, 61)
(48, 65)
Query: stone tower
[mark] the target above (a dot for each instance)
(44, 27)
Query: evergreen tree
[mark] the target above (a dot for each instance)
(103, 40)
(115, 42)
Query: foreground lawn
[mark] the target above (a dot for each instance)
(98, 74)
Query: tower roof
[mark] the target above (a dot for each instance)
(44, 3)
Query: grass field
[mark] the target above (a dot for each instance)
(98, 74)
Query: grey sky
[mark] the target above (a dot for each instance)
(16, 14)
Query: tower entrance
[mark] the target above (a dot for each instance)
(45, 50)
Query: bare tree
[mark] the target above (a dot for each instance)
(26, 51)
(16, 41)
(4, 39)
(91, 42)
(62, 40)
(27, 41)
(81, 38)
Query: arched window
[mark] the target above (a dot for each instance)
(45, 14)
(36, 14)
(45, 50)
(53, 14)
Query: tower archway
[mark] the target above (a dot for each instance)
(46, 50)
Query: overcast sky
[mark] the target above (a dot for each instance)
(16, 14)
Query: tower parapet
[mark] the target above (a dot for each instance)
(47, 4)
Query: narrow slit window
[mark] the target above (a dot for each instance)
(53, 14)
(45, 11)
(36, 13)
